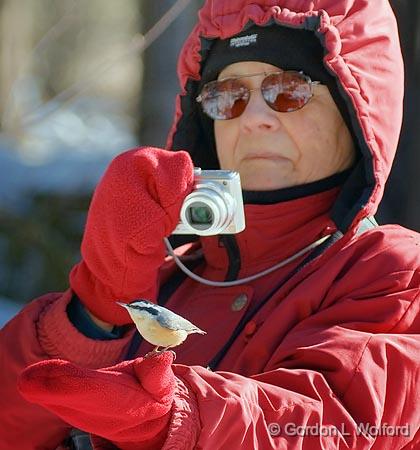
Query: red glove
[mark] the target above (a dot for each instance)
(128, 404)
(136, 204)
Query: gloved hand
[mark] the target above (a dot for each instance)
(128, 404)
(135, 205)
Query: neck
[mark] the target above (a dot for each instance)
(295, 192)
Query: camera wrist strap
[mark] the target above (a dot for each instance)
(277, 266)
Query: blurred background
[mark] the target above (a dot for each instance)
(82, 81)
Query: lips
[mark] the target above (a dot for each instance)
(264, 155)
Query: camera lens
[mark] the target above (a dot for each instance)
(206, 210)
(200, 215)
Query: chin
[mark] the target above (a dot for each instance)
(266, 175)
(266, 182)
(264, 186)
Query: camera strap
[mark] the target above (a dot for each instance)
(77, 440)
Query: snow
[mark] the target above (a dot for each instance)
(66, 152)
(8, 309)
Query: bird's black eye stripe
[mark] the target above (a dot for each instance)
(149, 310)
(145, 308)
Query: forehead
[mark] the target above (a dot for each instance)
(246, 67)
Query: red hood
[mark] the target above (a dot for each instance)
(362, 51)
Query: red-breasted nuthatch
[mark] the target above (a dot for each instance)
(158, 325)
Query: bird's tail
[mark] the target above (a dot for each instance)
(197, 330)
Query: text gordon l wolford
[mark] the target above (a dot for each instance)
(367, 429)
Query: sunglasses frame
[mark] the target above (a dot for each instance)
(199, 98)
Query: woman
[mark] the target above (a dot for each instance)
(304, 100)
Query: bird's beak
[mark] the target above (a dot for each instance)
(124, 305)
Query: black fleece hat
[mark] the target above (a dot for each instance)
(284, 47)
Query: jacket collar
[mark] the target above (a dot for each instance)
(274, 232)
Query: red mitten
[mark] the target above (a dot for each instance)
(135, 205)
(128, 404)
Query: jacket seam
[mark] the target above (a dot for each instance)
(411, 305)
(356, 370)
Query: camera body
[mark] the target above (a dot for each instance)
(215, 206)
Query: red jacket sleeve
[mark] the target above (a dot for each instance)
(42, 331)
(301, 408)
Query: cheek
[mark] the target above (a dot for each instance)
(317, 135)
(226, 136)
(325, 145)
(308, 137)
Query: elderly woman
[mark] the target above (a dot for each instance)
(304, 100)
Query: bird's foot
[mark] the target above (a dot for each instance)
(156, 352)
(172, 353)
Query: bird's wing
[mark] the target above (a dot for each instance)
(175, 322)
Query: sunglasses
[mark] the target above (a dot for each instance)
(282, 91)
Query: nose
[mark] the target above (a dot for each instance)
(258, 116)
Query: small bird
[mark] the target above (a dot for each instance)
(158, 325)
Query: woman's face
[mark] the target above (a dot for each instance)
(273, 150)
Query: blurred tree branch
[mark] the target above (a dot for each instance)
(138, 45)
(10, 120)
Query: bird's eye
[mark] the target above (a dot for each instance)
(150, 310)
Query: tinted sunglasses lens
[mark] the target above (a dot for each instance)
(286, 91)
(223, 100)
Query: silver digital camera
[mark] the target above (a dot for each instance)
(215, 206)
